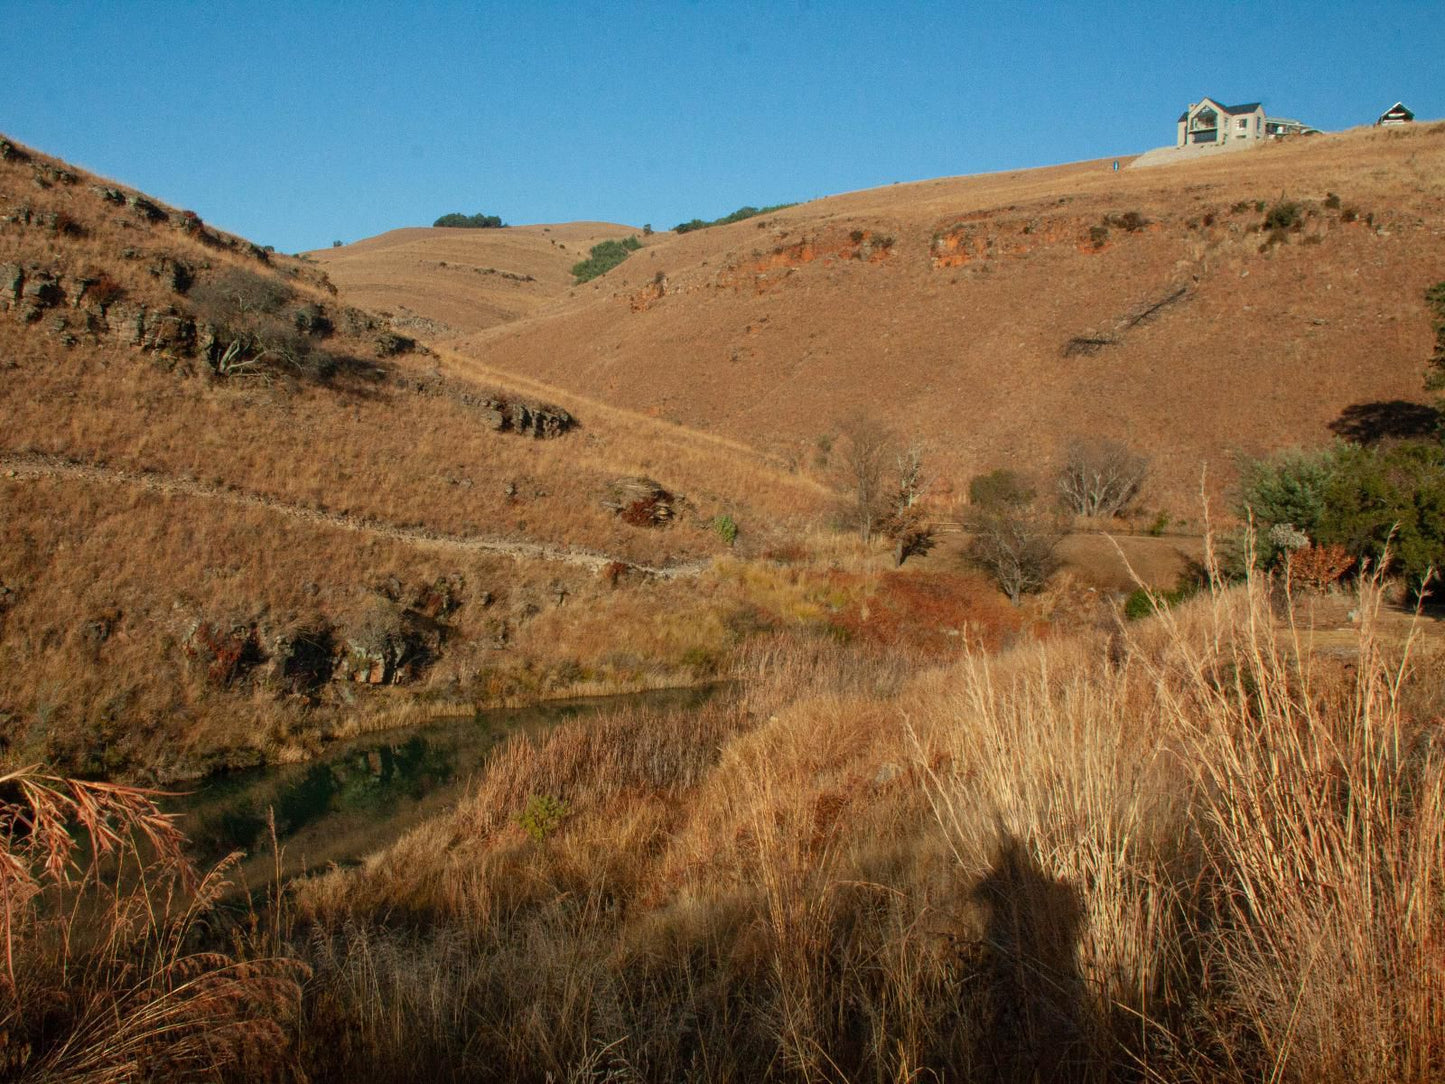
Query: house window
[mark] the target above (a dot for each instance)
(1243, 123)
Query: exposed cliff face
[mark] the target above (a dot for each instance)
(96, 264)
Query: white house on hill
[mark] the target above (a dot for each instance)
(1209, 124)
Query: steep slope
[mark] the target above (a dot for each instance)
(443, 282)
(997, 316)
(238, 516)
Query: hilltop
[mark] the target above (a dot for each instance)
(445, 282)
(996, 316)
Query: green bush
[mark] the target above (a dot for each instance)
(543, 816)
(470, 222)
(1142, 602)
(603, 257)
(1284, 215)
(725, 528)
(726, 220)
(1000, 488)
(1365, 499)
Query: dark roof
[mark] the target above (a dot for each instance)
(1231, 110)
(1399, 109)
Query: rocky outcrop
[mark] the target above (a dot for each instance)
(147, 210)
(387, 643)
(536, 420)
(38, 290)
(12, 281)
(389, 344)
(641, 502)
(174, 273)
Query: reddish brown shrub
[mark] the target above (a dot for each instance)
(226, 654)
(1315, 567)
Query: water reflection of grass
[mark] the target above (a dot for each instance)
(367, 791)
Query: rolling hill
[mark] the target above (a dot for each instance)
(447, 282)
(997, 316)
(239, 516)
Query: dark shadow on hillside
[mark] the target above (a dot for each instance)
(1370, 423)
(1039, 1014)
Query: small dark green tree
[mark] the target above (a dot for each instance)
(1000, 488)
(478, 221)
(1435, 302)
(603, 257)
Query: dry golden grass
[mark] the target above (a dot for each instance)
(1187, 850)
(443, 282)
(105, 979)
(402, 448)
(104, 584)
(771, 344)
(144, 493)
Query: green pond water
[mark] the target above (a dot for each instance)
(364, 793)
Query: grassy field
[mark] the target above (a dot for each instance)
(1185, 850)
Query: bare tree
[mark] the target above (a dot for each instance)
(914, 477)
(1100, 477)
(868, 447)
(1016, 547)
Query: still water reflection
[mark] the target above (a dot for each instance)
(364, 793)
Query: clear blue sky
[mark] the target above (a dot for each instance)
(299, 123)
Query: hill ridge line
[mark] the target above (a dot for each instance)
(42, 465)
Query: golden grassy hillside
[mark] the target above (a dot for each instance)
(448, 282)
(998, 315)
(215, 473)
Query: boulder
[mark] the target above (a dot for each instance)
(641, 502)
(389, 344)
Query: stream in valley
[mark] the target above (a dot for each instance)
(363, 793)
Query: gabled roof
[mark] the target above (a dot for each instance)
(1229, 110)
(1399, 109)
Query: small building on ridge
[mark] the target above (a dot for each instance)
(1396, 114)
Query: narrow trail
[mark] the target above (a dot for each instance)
(36, 465)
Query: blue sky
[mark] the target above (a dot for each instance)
(295, 124)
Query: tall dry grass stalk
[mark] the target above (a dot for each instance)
(1186, 849)
(106, 978)
(1220, 853)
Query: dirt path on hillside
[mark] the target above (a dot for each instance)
(34, 465)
